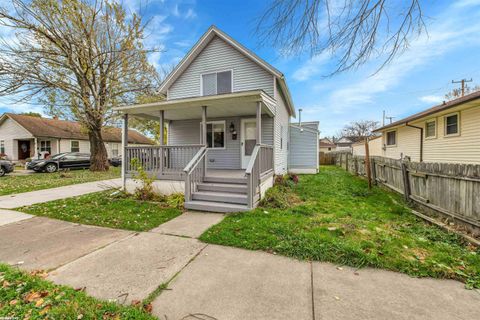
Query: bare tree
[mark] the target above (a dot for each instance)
(457, 93)
(353, 30)
(82, 56)
(360, 129)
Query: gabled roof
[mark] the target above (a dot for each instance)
(432, 110)
(327, 143)
(61, 129)
(204, 41)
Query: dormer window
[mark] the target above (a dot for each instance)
(216, 83)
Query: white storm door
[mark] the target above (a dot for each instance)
(248, 139)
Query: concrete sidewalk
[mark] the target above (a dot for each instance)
(45, 195)
(8, 216)
(221, 282)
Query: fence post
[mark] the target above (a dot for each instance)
(346, 162)
(406, 181)
(374, 171)
(356, 165)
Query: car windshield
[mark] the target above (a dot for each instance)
(58, 156)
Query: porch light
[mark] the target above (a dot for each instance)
(232, 127)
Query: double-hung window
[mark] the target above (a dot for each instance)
(114, 147)
(216, 83)
(215, 134)
(46, 146)
(74, 146)
(431, 129)
(391, 138)
(451, 124)
(2, 146)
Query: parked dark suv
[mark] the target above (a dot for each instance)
(5, 167)
(68, 160)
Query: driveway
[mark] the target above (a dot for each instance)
(220, 282)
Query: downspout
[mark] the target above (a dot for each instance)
(421, 139)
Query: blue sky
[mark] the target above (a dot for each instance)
(414, 81)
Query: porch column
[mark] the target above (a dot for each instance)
(35, 147)
(124, 150)
(162, 127)
(204, 125)
(258, 135)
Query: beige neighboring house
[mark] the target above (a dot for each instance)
(448, 132)
(374, 147)
(325, 145)
(23, 137)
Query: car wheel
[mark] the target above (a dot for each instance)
(2, 172)
(51, 167)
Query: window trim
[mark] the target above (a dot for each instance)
(445, 125)
(71, 147)
(216, 87)
(49, 147)
(436, 126)
(2, 146)
(224, 122)
(386, 138)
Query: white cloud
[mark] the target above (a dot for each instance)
(311, 68)
(431, 99)
(190, 14)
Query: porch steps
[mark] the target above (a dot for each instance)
(220, 194)
(223, 187)
(212, 206)
(226, 197)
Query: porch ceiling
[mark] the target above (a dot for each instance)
(218, 106)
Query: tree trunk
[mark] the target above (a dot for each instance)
(98, 152)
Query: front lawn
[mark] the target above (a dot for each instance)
(107, 209)
(11, 184)
(26, 296)
(333, 217)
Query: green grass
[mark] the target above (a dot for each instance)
(25, 296)
(338, 220)
(11, 184)
(107, 209)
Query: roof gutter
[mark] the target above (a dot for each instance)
(421, 138)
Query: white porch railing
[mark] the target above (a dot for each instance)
(195, 172)
(164, 162)
(260, 165)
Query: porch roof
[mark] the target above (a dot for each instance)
(224, 105)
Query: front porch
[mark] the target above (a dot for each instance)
(220, 152)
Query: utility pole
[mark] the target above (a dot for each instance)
(463, 81)
(385, 117)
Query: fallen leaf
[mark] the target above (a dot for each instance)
(337, 298)
(80, 316)
(339, 268)
(39, 302)
(148, 307)
(135, 302)
(13, 302)
(32, 296)
(45, 309)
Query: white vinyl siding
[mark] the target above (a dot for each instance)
(220, 56)
(11, 131)
(407, 144)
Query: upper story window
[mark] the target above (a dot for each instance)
(391, 138)
(431, 129)
(451, 124)
(216, 83)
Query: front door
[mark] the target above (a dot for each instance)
(23, 149)
(248, 139)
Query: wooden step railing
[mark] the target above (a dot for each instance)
(195, 172)
(261, 164)
(163, 162)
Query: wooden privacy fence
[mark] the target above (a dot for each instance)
(327, 158)
(452, 190)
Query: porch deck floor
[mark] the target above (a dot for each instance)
(225, 173)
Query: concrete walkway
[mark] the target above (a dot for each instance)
(221, 282)
(45, 195)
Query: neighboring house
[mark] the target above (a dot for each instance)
(325, 145)
(228, 114)
(344, 144)
(23, 137)
(448, 132)
(374, 147)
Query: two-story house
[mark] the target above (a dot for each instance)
(228, 116)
